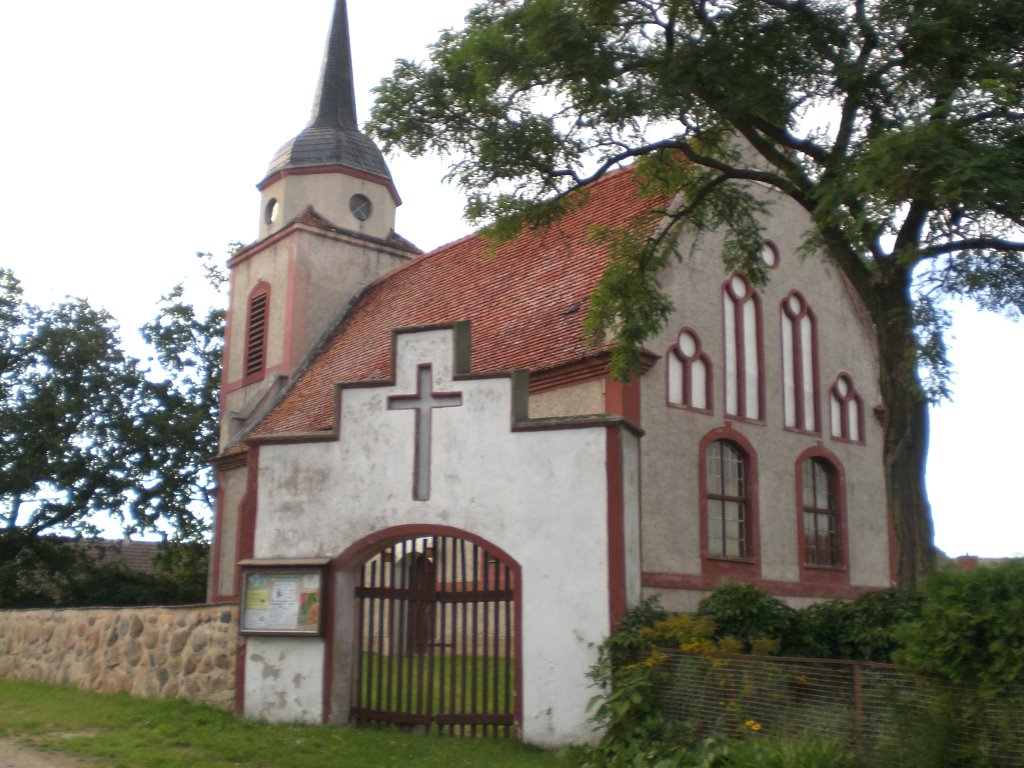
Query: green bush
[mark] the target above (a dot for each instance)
(866, 629)
(971, 627)
(747, 614)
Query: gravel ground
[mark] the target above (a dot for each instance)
(13, 755)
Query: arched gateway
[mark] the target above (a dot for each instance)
(435, 635)
(467, 558)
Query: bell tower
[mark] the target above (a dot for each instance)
(331, 165)
(326, 230)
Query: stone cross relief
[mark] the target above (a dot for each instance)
(424, 401)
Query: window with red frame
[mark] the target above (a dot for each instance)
(820, 514)
(256, 333)
(744, 361)
(847, 410)
(799, 367)
(689, 372)
(727, 501)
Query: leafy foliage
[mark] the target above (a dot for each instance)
(867, 629)
(68, 401)
(180, 419)
(971, 627)
(895, 125)
(747, 614)
(88, 436)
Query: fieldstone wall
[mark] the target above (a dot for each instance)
(167, 652)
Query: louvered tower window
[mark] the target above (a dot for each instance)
(256, 333)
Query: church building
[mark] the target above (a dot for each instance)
(434, 500)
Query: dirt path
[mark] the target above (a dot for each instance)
(13, 755)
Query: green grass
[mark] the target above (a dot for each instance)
(117, 731)
(460, 683)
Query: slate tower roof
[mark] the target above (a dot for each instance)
(332, 136)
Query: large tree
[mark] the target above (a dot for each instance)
(179, 422)
(88, 437)
(896, 124)
(69, 397)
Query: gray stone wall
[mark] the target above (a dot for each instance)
(166, 652)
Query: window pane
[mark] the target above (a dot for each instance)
(715, 468)
(808, 484)
(715, 528)
(733, 470)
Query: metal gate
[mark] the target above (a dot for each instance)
(435, 638)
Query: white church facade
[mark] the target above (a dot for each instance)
(433, 499)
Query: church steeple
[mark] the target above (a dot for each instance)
(332, 144)
(335, 101)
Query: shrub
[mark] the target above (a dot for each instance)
(866, 629)
(971, 627)
(746, 614)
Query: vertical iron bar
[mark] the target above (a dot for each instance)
(462, 622)
(443, 567)
(378, 578)
(510, 661)
(475, 632)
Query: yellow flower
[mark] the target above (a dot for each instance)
(752, 725)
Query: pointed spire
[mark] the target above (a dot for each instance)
(332, 137)
(335, 101)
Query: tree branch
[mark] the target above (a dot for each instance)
(973, 244)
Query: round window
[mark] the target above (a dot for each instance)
(360, 206)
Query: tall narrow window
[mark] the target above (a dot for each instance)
(256, 331)
(847, 410)
(820, 513)
(727, 501)
(799, 365)
(744, 363)
(689, 373)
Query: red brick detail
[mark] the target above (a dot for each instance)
(526, 300)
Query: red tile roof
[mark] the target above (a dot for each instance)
(526, 301)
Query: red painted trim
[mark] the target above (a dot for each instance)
(708, 582)
(359, 552)
(622, 399)
(748, 568)
(247, 515)
(615, 527)
(344, 170)
(839, 575)
(778, 254)
(327, 622)
(294, 310)
(852, 398)
(686, 397)
(262, 288)
(239, 700)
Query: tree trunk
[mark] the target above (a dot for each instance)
(905, 423)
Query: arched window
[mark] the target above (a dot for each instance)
(799, 365)
(257, 318)
(820, 513)
(727, 500)
(847, 410)
(744, 361)
(689, 373)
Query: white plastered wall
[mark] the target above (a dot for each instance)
(541, 495)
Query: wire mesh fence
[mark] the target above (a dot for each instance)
(887, 715)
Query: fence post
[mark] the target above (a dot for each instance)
(858, 706)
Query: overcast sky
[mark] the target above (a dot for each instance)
(133, 135)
